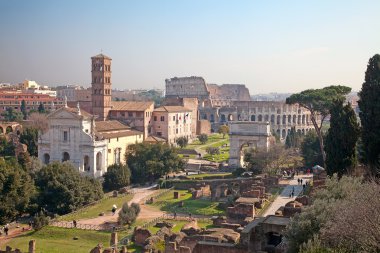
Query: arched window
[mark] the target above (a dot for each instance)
(65, 157)
(260, 118)
(283, 119)
(278, 119)
(289, 118)
(99, 161)
(283, 133)
(46, 158)
(303, 119)
(223, 118)
(253, 117)
(299, 120)
(86, 163)
(212, 118)
(266, 118)
(294, 119)
(272, 119)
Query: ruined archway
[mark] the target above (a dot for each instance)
(247, 133)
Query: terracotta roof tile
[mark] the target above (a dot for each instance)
(110, 125)
(131, 105)
(173, 108)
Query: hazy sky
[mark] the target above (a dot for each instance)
(271, 46)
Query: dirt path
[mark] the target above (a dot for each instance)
(14, 232)
(284, 198)
(139, 197)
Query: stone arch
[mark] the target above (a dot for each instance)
(283, 133)
(278, 132)
(246, 135)
(9, 129)
(272, 119)
(46, 158)
(253, 117)
(299, 131)
(289, 131)
(266, 118)
(86, 163)
(223, 118)
(99, 161)
(230, 117)
(283, 119)
(260, 118)
(289, 118)
(239, 117)
(65, 156)
(278, 119)
(303, 131)
(212, 119)
(294, 119)
(204, 116)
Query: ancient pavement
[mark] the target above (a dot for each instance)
(284, 198)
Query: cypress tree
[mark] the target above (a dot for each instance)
(341, 139)
(369, 104)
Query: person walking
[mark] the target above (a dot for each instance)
(114, 209)
(6, 229)
(74, 223)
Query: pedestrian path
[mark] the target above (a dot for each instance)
(284, 198)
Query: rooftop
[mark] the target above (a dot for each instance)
(131, 105)
(101, 56)
(173, 108)
(110, 125)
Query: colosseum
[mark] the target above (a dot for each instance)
(220, 104)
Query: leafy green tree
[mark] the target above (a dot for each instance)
(212, 151)
(182, 141)
(116, 177)
(293, 139)
(29, 137)
(6, 147)
(41, 108)
(149, 162)
(40, 220)
(23, 109)
(369, 105)
(128, 214)
(304, 226)
(318, 102)
(203, 138)
(62, 189)
(224, 129)
(11, 115)
(310, 150)
(341, 139)
(16, 190)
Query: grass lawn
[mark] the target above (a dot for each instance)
(105, 205)
(211, 139)
(195, 206)
(57, 240)
(206, 175)
(179, 224)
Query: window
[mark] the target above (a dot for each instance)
(65, 136)
(176, 131)
(162, 118)
(173, 118)
(130, 114)
(159, 134)
(155, 118)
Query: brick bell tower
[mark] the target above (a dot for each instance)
(101, 85)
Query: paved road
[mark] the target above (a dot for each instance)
(284, 198)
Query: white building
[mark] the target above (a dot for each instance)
(72, 137)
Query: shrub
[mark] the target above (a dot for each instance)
(128, 214)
